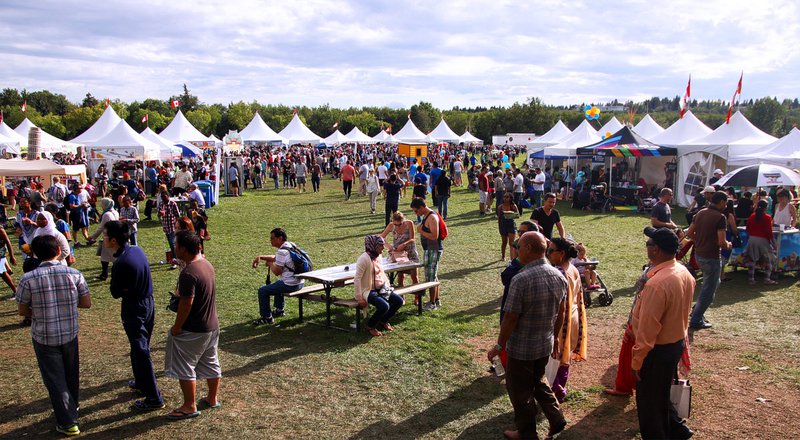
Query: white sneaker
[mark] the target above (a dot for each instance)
(429, 306)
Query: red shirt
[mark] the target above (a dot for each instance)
(348, 173)
(760, 228)
(483, 182)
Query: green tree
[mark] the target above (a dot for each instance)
(188, 101)
(201, 119)
(767, 114)
(155, 120)
(52, 124)
(425, 116)
(10, 97)
(239, 115)
(47, 102)
(80, 119)
(365, 121)
(89, 101)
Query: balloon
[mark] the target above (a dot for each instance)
(591, 112)
(505, 158)
(506, 165)
(607, 135)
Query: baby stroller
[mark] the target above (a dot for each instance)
(604, 297)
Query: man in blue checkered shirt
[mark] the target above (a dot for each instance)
(50, 295)
(534, 310)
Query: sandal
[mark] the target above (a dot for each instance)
(388, 327)
(770, 282)
(205, 404)
(179, 414)
(374, 332)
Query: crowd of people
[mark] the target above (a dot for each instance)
(543, 312)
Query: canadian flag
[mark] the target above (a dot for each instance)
(335, 124)
(108, 102)
(1, 116)
(738, 92)
(294, 112)
(175, 104)
(409, 115)
(145, 118)
(686, 96)
(24, 106)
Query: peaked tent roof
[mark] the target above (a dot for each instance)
(468, 138)
(167, 149)
(430, 139)
(784, 151)
(582, 136)
(8, 132)
(123, 136)
(336, 138)
(612, 126)
(297, 133)
(681, 132)
(258, 131)
(625, 143)
(49, 144)
(443, 132)
(648, 127)
(740, 137)
(410, 133)
(553, 136)
(9, 145)
(358, 136)
(180, 129)
(108, 120)
(382, 136)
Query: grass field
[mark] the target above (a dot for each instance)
(427, 379)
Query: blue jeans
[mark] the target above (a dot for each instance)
(536, 200)
(132, 239)
(171, 243)
(137, 320)
(59, 367)
(711, 268)
(443, 206)
(276, 289)
(384, 310)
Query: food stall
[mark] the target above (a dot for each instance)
(787, 241)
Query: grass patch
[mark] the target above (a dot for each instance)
(713, 346)
(755, 361)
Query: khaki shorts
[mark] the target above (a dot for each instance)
(192, 356)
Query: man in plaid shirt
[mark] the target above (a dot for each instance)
(533, 313)
(169, 213)
(51, 295)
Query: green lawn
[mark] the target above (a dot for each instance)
(428, 378)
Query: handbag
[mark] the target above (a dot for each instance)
(173, 302)
(680, 394)
(551, 369)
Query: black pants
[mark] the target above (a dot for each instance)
(138, 318)
(148, 208)
(526, 385)
(657, 416)
(315, 183)
(391, 208)
(60, 372)
(347, 185)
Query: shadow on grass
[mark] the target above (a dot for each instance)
(592, 424)
(476, 395)
(491, 307)
(455, 274)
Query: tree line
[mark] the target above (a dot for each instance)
(62, 118)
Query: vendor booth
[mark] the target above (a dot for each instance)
(43, 169)
(417, 150)
(121, 144)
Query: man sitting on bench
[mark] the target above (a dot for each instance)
(280, 264)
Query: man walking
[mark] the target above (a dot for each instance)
(533, 316)
(50, 296)
(392, 188)
(191, 351)
(659, 321)
(708, 232)
(432, 246)
(347, 175)
(547, 216)
(131, 281)
(661, 215)
(281, 265)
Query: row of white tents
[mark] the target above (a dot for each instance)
(700, 149)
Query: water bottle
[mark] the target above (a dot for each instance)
(498, 366)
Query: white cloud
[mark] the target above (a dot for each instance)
(465, 53)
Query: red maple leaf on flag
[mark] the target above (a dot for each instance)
(145, 118)
(175, 104)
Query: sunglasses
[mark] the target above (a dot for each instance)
(551, 250)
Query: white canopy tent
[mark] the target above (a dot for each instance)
(49, 144)
(612, 126)
(443, 133)
(784, 152)
(258, 131)
(410, 133)
(107, 122)
(682, 132)
(382, 136)
(297, 133)
(6, 131)
(358, 136)
(733, 139)
(38, 168)
(336, 138)
(123, 143)
(167, 150)
(648, 127)
(8, 145)
(430, 139)
(582, 136)
(180, 129)
(468, 138)
(553, 136)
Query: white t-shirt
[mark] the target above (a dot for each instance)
(383, 172)
(83, 196)
(198, 195)
(540, 178)
(284, 260)
(182, 179)
(519, 182)
(457, 166)
(363, 172)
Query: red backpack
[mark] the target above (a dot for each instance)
(443, 232)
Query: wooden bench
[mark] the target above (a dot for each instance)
(307, 293)
(418, 290)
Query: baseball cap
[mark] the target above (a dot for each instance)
(718, 171)
(709, 189)
(664, 238)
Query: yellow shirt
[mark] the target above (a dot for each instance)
(661, 314)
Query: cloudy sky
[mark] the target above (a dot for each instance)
(380, 52)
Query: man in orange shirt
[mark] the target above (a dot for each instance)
(347, 176)
(660, 322)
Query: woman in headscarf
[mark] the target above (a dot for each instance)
(372, 286)
(46, 225)
(573, 340)
(106, 255)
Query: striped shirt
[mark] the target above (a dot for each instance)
(51, 291)
(171, 214)
(535, 294)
